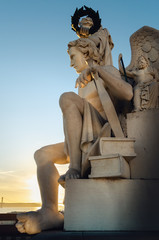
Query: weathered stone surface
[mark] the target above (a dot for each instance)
(109, 166)
(144, 127)
(111, 205)
(122, 146)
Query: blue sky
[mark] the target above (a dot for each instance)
(35, 71)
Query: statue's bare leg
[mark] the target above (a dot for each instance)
(72, 107)
(48, 216)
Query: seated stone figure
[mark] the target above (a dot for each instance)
(83, 118)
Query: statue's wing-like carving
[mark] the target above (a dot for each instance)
(145, 42)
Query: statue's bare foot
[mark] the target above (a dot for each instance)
(35, 222)
(70, 174)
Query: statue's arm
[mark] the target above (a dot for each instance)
(118, 87)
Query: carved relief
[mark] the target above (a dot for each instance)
(144, 68)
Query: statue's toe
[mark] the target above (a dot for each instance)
(22, 217)
(70, 174)
(20, 227)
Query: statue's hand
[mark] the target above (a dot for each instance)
(95, 70)
(120, 57)
(84, 78)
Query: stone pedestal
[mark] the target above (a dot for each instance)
(144, 127)
(111, 205)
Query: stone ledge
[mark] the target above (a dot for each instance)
(62, 235)
(112, 205)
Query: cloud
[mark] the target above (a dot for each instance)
(6, 172)
(13, 180)
(9, 173)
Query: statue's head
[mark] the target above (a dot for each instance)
(86, 22)
(142, 62)
(84, 52)
(77, 59)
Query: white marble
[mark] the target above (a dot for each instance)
(144, 127)
(122, 146)
(109, 166)
(112, 205)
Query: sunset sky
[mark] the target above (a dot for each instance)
(35, 71)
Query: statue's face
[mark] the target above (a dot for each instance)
(77, 59)
(86, 22)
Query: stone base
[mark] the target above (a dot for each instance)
(144, 127)
(63, 235)
(109, 166)
(111, 205)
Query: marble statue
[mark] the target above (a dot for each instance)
(84, 119)
(122, 189)
(93, 113)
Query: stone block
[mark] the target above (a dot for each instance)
(111, 205)
(109, 166)
(114, 145)
(144, 127)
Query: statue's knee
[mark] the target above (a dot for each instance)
(36, 155)
(66, 99)
(39, 157)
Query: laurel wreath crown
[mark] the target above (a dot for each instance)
(89, 12)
